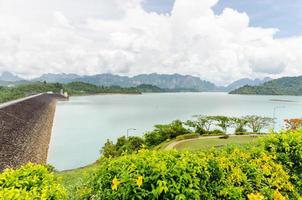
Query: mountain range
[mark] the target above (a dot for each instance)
(166, 81)
(9, 77)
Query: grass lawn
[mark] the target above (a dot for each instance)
(206, 143)
(72, 178)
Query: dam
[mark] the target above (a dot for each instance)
(25, 130)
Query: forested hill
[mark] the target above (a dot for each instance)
(20, 90)
(281, 86)
(74, 88)
(167, 81)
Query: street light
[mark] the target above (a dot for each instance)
(274, 114)
(130, 129)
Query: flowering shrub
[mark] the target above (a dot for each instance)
(287, 148)
(230, 173)
(30, 182)
(293, 124)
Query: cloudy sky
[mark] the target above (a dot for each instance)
(220, 41)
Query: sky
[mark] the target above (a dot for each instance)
(216, 40)
(284, 15)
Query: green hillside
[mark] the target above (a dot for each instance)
(282, 86)
(74, 88)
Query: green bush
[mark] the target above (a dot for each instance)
(224, 137)
(162, 132)
(30, 182)
(229, 173)
(243, 133)
(287, 148)
(215, 132)
(123, 145)
(187, 136)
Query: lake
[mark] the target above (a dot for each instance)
(83, 124)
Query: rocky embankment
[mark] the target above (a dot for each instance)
(25, 131)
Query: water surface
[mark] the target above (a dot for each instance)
(83, 124)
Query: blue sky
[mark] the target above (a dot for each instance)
(282, 14)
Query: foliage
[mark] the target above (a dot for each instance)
(287, 148)
(150, 88)
(163, 132)
(239, 124)
(11, 93)
(293, 124)
(30, 182)
(243, 133)
(228, 173)
(223, 122)
(80, 88)
(257, 123)
(224, 137)
(123, 145)
(74, 88)
(201, 125)
(109, 149)
(215, 132)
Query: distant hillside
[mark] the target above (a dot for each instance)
(281, 86)
(57, 78)
(246, 81)
(173, 82)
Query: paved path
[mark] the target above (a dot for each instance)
(173, 144)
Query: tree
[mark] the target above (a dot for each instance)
(163, 132)
(257, 123)
(172, 130)
(239, 124)
(153, 138)
(223, 122)
(293, 124)
(136, 143)
(109, 149)
(201, 125)
(122, 145)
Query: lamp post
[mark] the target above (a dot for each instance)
(274, 114)
(130, 129)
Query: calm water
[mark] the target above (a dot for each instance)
(83, 124)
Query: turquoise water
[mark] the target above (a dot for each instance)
(83, 124)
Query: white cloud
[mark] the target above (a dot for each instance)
(118, 36)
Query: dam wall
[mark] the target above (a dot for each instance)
(25, 130)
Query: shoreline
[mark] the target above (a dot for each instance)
(99, 94)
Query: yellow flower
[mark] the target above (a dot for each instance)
(266, 158)
(255, 196)
(278, 196)
(139, 181)
(115, 183)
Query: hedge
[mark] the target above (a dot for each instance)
(286, 147)
(269, 170)
(30, 182)
(230, 173)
